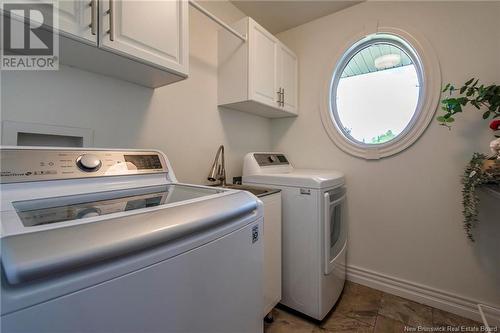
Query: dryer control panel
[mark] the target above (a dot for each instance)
(265, 159)
(22, 165)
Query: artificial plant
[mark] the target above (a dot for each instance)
(478, 172)
(485, 98)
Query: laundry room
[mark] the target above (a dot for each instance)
(250, 166)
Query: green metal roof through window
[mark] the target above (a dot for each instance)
(364, 61)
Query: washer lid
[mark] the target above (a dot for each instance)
(48, 253)
(299, 178)
(73, 208)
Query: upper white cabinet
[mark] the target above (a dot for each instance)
(151, 31)
(141, 41)
(259, 76)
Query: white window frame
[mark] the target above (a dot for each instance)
(428, 70)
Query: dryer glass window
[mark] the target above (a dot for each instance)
(76, 207)
(337, 233)
(335, 227)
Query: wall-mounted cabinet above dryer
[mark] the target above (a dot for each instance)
(145, 42)
(259, 76)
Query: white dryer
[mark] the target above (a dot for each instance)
(102, 240)
(314, 230)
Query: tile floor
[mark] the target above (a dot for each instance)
(365, 310)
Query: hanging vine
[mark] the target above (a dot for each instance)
(476, 175)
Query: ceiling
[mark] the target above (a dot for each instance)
(364, 61)
(278, 16)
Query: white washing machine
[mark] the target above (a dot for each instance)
(314, 236)
(101, 240)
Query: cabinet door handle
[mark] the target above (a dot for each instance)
(279, 96)
(283, 97)
(110, 12)
(93, 16)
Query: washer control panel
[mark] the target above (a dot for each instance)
(264, 159)
(22, 165)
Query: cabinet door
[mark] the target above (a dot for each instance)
(75, 18)
(153, 32)
(263, 48)
(287, 62)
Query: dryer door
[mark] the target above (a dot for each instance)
(335, 230)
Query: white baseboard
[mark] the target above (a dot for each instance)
(420, 293)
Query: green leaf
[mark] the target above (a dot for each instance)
(463, 100)
(485, 98)
(451, 101)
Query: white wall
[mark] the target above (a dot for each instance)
(181, 119)
(405, 211)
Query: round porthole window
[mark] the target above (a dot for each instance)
(378, 99)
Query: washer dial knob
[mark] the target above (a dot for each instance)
(272, 159)
(88, 162)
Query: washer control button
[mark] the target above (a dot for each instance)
(88, 162)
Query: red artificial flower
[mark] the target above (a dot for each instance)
(495, 125)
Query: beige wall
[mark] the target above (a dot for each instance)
(181, 119)
(404, 211)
